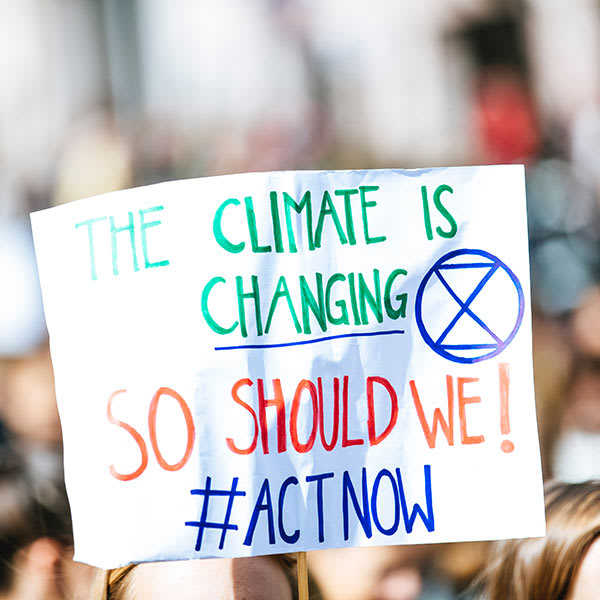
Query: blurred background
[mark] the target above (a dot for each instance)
(99, 95)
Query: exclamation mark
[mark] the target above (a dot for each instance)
(504, 381)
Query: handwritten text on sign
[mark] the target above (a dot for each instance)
(289, 361)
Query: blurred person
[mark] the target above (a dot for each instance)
(35, 534)
(27, 399)
(563, 565)
(251, 578)
(402, 583)
(354, 573)
(378, 573)
(553, 360)
(22, 324)
(564, 226)
(460, 563)
(505, 118)
(160, 153)
(578, 445)
(585, 323)
(585, 144)
(96, 160)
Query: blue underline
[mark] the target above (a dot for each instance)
(313, 341)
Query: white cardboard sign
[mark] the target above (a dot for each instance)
(277, 362)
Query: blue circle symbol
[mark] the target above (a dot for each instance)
(478, 314)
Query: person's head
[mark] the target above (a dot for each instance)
(253, 578)
(563, 565)
(35, 529)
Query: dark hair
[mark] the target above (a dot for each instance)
(546, 568)
(31, 508)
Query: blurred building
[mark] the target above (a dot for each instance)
(395, 81)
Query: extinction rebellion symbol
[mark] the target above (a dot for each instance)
(477, 311)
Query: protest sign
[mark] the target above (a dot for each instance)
(280, 362)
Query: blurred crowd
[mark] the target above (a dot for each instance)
(101, 95)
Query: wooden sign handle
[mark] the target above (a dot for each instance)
(302, 576)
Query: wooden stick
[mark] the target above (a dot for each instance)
(302, 576)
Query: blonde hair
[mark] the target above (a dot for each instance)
(110, 584)
(115, 584)
(546, 568)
